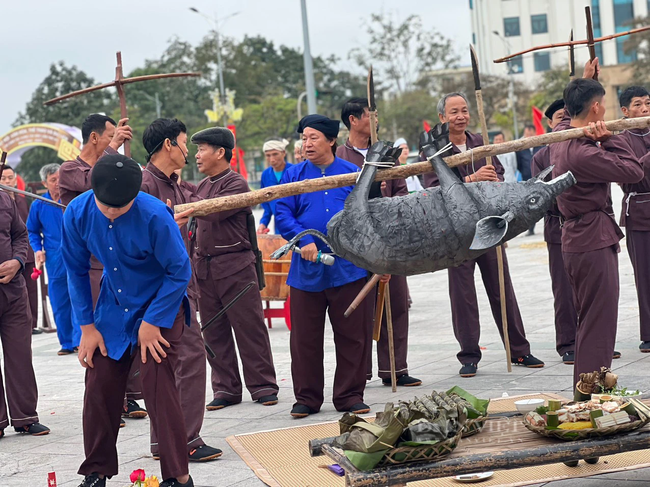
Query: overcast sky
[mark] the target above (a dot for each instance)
(87, 33)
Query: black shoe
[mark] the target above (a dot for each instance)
(360, 408)
(34, 429)
(176, 483)
(65, 351)
(93, 481)
(468, 370)
(122, 423)
(616, 354)
(36, 331)
(404, 380)
(270, 400)
(219, 404)
(645, 347)
(133, 410)
(569, 358)
(528, 361)
(2, 433)
(204, 453)
(301, 411)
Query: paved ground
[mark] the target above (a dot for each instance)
(25, 461)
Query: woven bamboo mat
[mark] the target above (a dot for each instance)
(280, 458)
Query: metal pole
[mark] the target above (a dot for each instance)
(158, 105)
(222, 88)
(310, 84)
(300, 99)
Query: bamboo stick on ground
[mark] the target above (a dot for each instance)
(391, 343)
(242, 200)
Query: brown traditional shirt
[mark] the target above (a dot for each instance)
(14, 243)
(23, 210)
(635, 214)
(222, 241)
(587, 222)
(159, 185)
(472, 141)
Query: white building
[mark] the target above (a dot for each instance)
(521, 24)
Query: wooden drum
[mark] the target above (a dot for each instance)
(275, 271)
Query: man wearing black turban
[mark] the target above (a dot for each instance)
(140, 314)
(316, 289)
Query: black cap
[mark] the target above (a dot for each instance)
(116, 180)
(554, 107)
(321, 123)
(216, 136)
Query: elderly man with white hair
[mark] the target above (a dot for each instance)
(412, 182)
(276, 156)
(44, 226)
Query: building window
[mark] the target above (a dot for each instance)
(542, 61)
(511, 26)
(595, 14)
(539, 24)
(623, 15)
(471, 4)
(473, 38)
(515, 65)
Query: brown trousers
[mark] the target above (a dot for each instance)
(350, 340)
(190, 372)
(464, 307)
(399, 305)
(246, 320)
(594, 279)
(105, 387)
(20, 381)
(32, 292)
(566, 316)
(638, 246)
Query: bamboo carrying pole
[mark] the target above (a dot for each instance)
(391, 342)
(370, 285)
(207, 207)
(499, 250)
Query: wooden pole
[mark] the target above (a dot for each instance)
(370, 285)
(590, 39)
(391, 342)
(379, 310)
(571, 43)
(122, 97)
(499, 249)
(252, 198)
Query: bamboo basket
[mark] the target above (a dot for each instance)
(423, 453)
(572, 435)
(473, 426)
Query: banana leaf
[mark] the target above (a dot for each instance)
(360, 436)
(365, 461)
(423, 431)
(480, 405)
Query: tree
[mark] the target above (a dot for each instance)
(402, 53)
(639, 43)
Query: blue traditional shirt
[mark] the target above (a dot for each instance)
(269, 178)
(44, 226)
(146, 268)
(294, 214)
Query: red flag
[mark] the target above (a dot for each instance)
(237, 162)
(426, 125)
(537, 121)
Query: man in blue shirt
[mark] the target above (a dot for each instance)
(138, 315)
(275, 154)
(44, 226)
(317, 289)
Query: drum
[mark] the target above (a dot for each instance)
(275, 271)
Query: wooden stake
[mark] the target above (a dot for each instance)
(590, 39)
(499, 249)
(252, 198)
(379, 311)
(391, 343)
(370, 285)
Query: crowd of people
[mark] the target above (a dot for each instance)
(128, 278)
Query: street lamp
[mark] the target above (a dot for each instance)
(511, 85)
(215, 23)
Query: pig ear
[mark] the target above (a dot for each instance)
(542, 175)
(489, 232)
